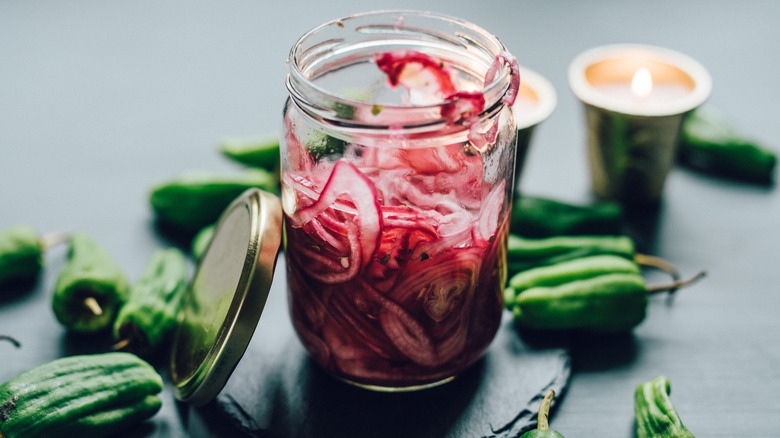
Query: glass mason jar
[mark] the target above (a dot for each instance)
(398, 152)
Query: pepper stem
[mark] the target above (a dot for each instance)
(121, 345)
(658, 263)
(93, 306)
(16, 343)
(655, 288)
(542, 421)
(52, 239)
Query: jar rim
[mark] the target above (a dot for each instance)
(312, 95)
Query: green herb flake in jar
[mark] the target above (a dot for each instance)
(398, 151)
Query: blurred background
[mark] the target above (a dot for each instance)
(100, 99)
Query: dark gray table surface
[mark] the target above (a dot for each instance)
(99, 100)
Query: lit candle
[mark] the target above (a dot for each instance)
(635, 98)
(642, 92)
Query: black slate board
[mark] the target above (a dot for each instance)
(277, 391)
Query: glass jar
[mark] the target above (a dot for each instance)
(398, 152)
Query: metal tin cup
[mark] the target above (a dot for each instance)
(636, 98)
(398, 153)
(536, 100)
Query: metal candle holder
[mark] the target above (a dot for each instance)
(632, 142)
(535, 101)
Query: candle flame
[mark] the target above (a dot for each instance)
(642, 83)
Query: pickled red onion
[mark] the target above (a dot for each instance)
(395, 65)
(514, 72)
(346, 179)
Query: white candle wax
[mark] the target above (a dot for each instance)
(674, 83)
(524, 107)
(662, 94)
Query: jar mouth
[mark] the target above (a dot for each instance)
(347, 46)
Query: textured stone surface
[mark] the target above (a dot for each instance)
(277, 391)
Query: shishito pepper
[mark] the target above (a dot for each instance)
(81, 396)
(195, 200)
(542, 424)
(200, 243)
(90, 287)
(596, 294)
(148, 318)
(564, 272)
(606, 303)
(262, 152)
(21, 254)
(654, 413)
(539, 217)
(710, 143)
(525, 253)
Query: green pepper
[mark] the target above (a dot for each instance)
(83, 396)
(564, 272)
(606, 303)
(320, 145)
(710, 143)
(524, 253)
(200, 243)
(195, 200)
(148, 318)
(90, 287)
(262, 152)
(21, 254)
(654, 413)
(542, 424)
(538, 217)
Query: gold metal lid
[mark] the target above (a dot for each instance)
(226, 297)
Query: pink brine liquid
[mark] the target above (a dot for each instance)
(395, 254)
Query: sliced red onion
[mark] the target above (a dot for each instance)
(463, 107)
(514, 72)
(487, 225)
(399, 66)
(327, 267)
(406, 334)
(346, 179)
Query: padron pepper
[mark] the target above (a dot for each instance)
(90, 288)
(81, 396)
(196, 199)
(711, 144)
(21, 252)
(539, 217)
(200, 243)
(320, 145)
(564, 272)
(542, 423)
(526, 253)
(599, 293)
(261, 152)
(148, 318)
(654, 413)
